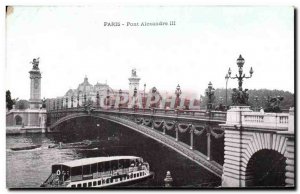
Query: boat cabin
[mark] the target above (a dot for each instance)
(92, 168)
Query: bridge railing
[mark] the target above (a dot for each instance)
(266, 120)
(214, 115)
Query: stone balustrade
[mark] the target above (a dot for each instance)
(243, 116)
(278, 121)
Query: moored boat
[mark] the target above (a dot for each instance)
(98, 172)
(26, 148)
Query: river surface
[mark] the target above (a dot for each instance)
(29, 168)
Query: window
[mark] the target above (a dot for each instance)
(75, 171)
(73, 186)
(103, 181)
(94, 183)
(138, 174)
(94, 168)
(107, 181)
(86, 169)
(18, 120)
(90, 184)
(134, 175)
(141, 174)
(99, 182)
(78, 185)
(84, 184)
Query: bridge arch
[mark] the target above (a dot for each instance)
(266, 168)
(193, 155)
(263, 155)
(256, 141)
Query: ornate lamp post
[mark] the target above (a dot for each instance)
(244, 98)
(226, 77)
(144, 101)
(134, 97)
(107, 97)
(256, 103)
(120, 96)
(97, 99)
(240, 63)
(210, 92)
(77, 100)
(177, 93)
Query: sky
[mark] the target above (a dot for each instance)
(73, 42)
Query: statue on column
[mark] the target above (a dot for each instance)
(133, 72)
(35, 62)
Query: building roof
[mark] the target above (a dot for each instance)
(87, 161)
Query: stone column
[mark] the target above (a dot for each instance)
(192, 139)
(77, 100)
(72, 101)
(164, 130)
(176, 129)
(208, 145)
(57, 103)
(290, 162)
(67, 102)
(62, 103)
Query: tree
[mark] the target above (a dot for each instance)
(9, 101)
(22, 104)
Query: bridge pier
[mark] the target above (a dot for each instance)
(250, 133)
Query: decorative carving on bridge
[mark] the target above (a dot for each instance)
(239, 97)
(182, 128)
(170, 125)
(273, 104)
(147, 122)
(198, 130)
(158, 124)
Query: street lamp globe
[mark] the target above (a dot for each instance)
(229, 71)
(240, 61)
(251, 71)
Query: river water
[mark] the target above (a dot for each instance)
(29, 168)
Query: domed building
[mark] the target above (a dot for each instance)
(88, 90)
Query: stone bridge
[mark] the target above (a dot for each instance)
(258, 147)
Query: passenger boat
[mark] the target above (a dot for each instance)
(98, 172)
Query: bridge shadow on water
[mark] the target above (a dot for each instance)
(114, 139)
